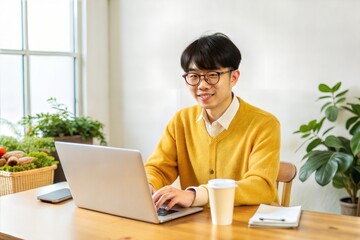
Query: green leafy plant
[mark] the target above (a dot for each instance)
(62, 123)
(34, 144)
(333, 158)
(42, 159)
(28, 144)
(10, 143)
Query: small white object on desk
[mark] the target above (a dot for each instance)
(276, 216)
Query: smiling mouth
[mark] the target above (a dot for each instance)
(205, 97)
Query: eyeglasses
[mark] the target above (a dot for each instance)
(212, 78)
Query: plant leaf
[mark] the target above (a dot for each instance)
(326, 173)
(355, 108)
(315, 160)
(343, 160)
(338, 162)
(323, 97)
(326, 164)
(331, 113)
(306, 135)
(348, 109)
(346, 144)
(351, 121)
(304, 128)
(355, 128)
(355, 144)
(312, 124)
(332, 141)
(324, 88)
(313, 144)
(340, 100)
(342, 93)
(336, 87)
(339, 182)
(311, 164)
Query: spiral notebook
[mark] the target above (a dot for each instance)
(276, 216)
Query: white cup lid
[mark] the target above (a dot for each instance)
(222, 183)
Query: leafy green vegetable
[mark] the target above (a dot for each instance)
(42, 159)
(32, 144)
(18, 168)
(10, 143)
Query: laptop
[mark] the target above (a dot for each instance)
(113, 181)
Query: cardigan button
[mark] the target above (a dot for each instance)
(211, 171)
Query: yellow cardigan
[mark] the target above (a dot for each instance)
(248, 151)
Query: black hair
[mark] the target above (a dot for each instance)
(211, 52)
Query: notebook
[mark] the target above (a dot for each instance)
(113, 181)
(276, 216)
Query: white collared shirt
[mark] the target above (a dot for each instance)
(223, 122)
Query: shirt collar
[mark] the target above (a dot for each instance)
(228, 115)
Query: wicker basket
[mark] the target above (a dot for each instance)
(12, 182)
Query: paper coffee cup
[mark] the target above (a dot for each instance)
(221, 197)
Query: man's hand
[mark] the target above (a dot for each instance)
(173, 196)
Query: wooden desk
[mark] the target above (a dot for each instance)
(23, 216)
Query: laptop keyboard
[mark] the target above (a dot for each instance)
(164, 212)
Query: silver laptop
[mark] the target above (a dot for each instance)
(112, 180)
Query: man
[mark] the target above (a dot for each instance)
(221, 137)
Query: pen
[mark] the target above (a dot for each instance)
(272, 219)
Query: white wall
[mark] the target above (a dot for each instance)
(95, 61)
(288, 48)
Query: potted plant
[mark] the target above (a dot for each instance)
(333, 158)
(62, 123)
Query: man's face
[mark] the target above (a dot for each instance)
(214, 98)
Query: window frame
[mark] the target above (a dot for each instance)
(26, 53)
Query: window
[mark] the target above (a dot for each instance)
(39, 57)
